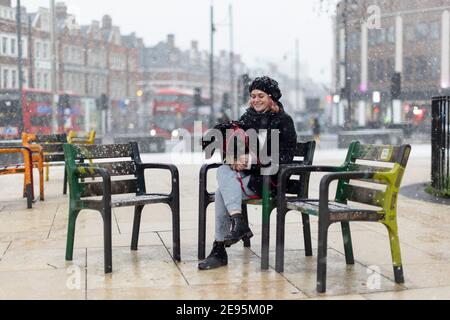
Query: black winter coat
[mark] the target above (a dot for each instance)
(288, 140)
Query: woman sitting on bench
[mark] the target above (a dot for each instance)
(242, 180)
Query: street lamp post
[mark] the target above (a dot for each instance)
(348, 83)
(20, 61)
(211, 66)
(54, 67)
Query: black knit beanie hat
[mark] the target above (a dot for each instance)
(267, 85)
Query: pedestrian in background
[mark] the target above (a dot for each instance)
(316, 130)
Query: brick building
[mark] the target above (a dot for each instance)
(71, 53)
(9, 76)
(167, 66)
(96, 64)
(40, 50)
(413, 40)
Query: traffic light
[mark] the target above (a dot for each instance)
(64, 101)
(226, 101)
(245, 88)
(104, 102)
(198, 97)
(396, 85)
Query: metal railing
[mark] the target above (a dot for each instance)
(440, 143)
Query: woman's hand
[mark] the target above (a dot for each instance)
(241, 164)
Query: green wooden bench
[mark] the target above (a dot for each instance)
(124, 164)
(368, 188)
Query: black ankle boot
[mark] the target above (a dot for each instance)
(239, 231)
(218, 258)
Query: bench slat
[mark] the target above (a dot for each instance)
(114, 168)
(366, 168)
(103, 151)
(53, 147)
(139, 200)
(364, 195)
(94, 189)
(338, 211)
(377, 153)
(11, 170)
(56, 157)
(53, 138)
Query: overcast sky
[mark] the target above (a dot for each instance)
(264, 30)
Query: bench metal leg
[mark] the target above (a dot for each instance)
(307, 235)
(247, 242)
(265, 237)
(396, 252)
(24, 186)
(348, 246)
(65, 182)
(279, 260)
(202, 209)
(29, 195)
(73, 215)
(175, 206)
(47, 173)
(107, 234)
(41, 180)
(136, 227)
(322, 256)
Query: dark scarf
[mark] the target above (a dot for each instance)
(260, 121)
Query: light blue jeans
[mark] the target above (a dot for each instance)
(229, 197)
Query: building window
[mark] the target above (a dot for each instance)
(435, 32)
(66, 53)
(381, 36)
(354, 42)
(391, 34)
(380, 70)
(354, 69)
(38, 80)
(422, 31)
(390, 66)
(372, 71)
(13, 79)
(410, 35)
(38, 50)
(13, 46)
(45, 51)
(5, 45)
(409, 69)
(5, 78)
(435, 66)
(46, 86)
(422, 69)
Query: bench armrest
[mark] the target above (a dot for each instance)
(86, 172)
(35, 147)
(204, 175)
(141, 167)
(14, 149)
(27, 153)
(328, 179)
(286, 171)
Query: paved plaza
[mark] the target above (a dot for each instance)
(32, 248)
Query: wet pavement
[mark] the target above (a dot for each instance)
(32, 248)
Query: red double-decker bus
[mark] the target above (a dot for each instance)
(36, 113)
(175, 109)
